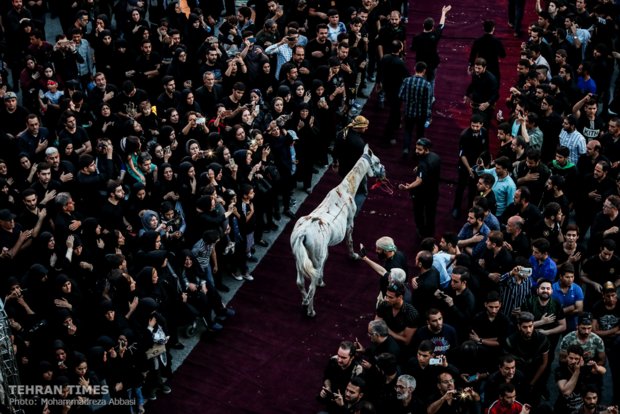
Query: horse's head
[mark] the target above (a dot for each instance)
(376, 168)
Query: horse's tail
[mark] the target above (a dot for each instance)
(302, 259)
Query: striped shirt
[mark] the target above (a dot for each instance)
(575, 142)
(513, 294)
(417, 94)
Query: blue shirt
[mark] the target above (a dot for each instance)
(467, 232)
(546, 270)
(572, 296)
(504, 189)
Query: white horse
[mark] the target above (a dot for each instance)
(328, 225)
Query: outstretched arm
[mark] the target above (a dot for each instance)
(444, 13)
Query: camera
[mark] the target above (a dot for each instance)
(435, 361)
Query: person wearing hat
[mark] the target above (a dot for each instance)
(606, 324)
(424, 189)
(592, 344)
(348, 149)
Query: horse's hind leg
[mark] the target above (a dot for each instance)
(301, 285)
(310, 298)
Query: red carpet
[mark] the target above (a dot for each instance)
(270, 358)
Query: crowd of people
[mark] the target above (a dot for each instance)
(148, 149)
(517, 312)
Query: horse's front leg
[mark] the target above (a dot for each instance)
(349, 239)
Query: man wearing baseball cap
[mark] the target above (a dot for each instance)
(424, 189)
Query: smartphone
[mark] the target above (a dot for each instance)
(435, 361)
(472, 378)
(526, 271)
(201, 121)
(252, 40)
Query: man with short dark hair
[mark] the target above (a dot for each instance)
(400, 317)
(473, 234)
(459, 302)
(340, 369)
(507, 402)
(426, 43)
(472, 143)
(443, 336)
(530, 349)
(572, 139)
(598, 269)
(482, 92)
(424, 190)
(417, 96)
(391, 73)
(170, 97)
(508, 373)
(488, 328)
(488, 47)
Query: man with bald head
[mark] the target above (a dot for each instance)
(593, 155)
(515, 241)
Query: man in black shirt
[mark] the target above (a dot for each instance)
(390, 75)
(400, 317)
(472, 143)
(483, 91)
(424, 189)
(488, 47)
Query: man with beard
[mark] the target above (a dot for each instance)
(33, 216)
(531, 351)
(352, 398)
(472, 143)
(112, 216)
(549, 319)
(400, 317)
(62, 170)
(483, 91)
(405, 401)
(596, 270)
(592, 344)
(572, 376)
(594, 188)
(449, 400)
(45, 187)
(442, 335)
(424, 189)
(572, 139)
(606, 324)
(533, 174)
(340, 369)
(590, 399)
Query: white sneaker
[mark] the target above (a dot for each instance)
(248, 277)
(238, 277)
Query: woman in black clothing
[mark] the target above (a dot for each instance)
(303, 124)
(183, 71)
(188, 103)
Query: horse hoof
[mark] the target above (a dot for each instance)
(321, 284)
(311, 314)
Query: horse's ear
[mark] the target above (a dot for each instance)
(367, 150)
